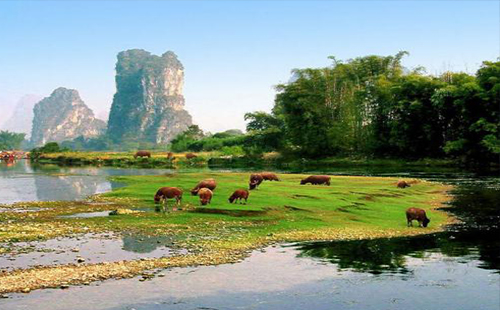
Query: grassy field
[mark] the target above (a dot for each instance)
(351, 208)
(355, 203)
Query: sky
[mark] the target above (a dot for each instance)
(233, 52)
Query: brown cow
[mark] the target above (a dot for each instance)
(170, 156)
(269, 176)
(238, 195)
(417, 214)
(255, 180)
(403, 184)
(211, 184)
(205, 196)
(316, 180)
(142, 154)
(190, 155)
(165, 193)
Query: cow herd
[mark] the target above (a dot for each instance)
(205, 191)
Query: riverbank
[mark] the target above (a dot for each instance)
(122, 159)
(351, 208)
(215, 159)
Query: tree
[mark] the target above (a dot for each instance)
(330, 111)
(11, 140)
(265, 132)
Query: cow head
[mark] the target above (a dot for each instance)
(426, 222)
(252, 185)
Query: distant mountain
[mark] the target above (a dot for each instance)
(148, 104)
(63, 116)
(22, 117)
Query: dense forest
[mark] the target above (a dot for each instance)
(371, 106)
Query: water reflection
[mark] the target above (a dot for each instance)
(93, 248)
(22, 181)
(393, 255)
(145, 244)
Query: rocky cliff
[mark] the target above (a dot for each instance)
(22, 116)
(148, 104)
(63, 116)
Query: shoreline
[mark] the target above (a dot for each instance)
(212, 159)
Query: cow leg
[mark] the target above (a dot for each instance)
(409, 224)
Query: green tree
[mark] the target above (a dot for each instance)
(11, 140)
(265, 132)
(330, 111)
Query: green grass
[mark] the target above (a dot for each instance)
(363, 204)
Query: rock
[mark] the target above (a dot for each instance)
(148, 104)
(64, 286)
(80, 259)
(75, 250)
(63, 116)
(26, 290)
(123, 211)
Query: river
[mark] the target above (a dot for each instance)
(456, 269)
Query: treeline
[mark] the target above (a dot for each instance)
(372, 106)
(230, 142)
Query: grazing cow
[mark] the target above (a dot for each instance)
(417, 214)
(142, 154)
(208, 183)
(190, 155)
(255, 180)
(166, 193)
(403, 184)
(238, 195)
(205, 196)
(170, 156)
(269, 176)
(316, 180)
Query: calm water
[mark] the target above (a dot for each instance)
(457, 269)
(24, 182)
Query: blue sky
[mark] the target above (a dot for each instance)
(233, 52)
